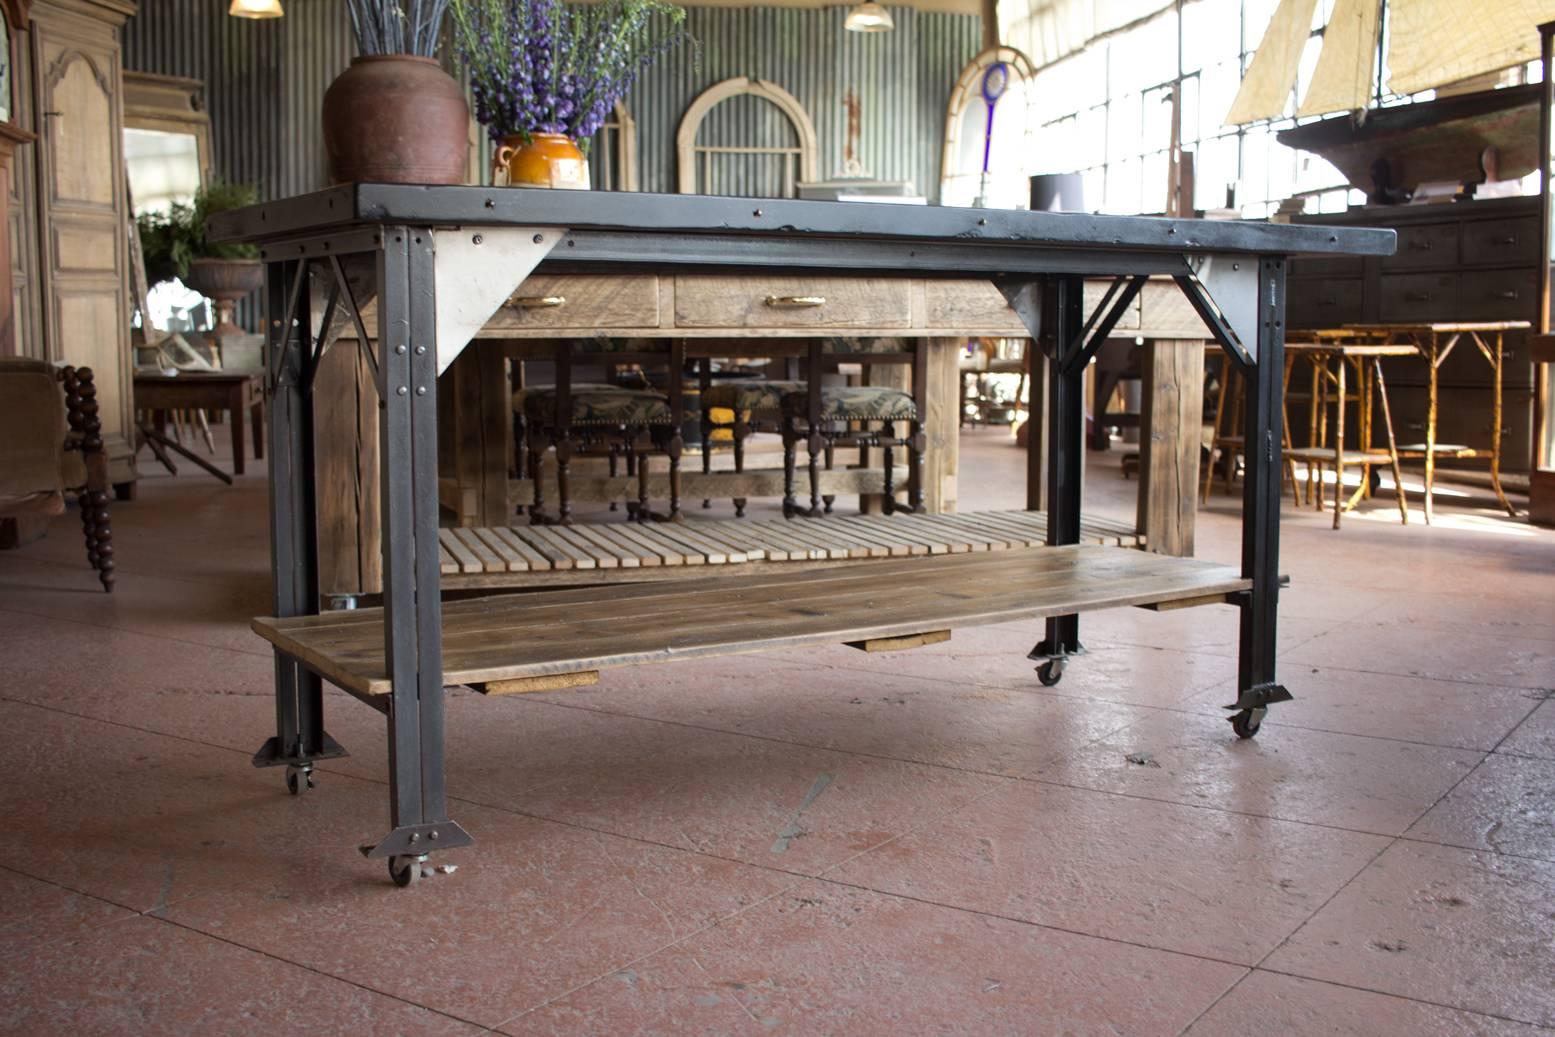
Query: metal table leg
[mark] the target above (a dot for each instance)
(413, 616)
(300, 739)
(1063, 311)
(1258, 640)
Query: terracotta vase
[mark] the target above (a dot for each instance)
(227, 281)
(396, 119)
(547, 160)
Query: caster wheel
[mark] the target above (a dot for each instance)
(405, 870)
(1247, 722)
(299, 780)
(1051, 672)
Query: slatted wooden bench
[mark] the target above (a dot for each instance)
(562, 638)
(524, 555)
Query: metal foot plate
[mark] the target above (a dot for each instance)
(1261, 696)
(271, 754)
(418, 839)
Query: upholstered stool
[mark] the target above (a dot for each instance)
(632, 420)
(845, 419)
(757, 407)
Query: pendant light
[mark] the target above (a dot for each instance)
(868, 16)
(255, 9)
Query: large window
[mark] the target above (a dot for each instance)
(1106, 112)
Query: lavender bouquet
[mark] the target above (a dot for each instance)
(542, 66)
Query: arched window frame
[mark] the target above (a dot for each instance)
(968, 91)
(691, 124)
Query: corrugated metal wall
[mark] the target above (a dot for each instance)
(265, 81)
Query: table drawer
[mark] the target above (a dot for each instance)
(1406, 298)
(1498, 294)
(1425, 244)
(1501, 242)
(1323, 302)
(961, 306)
(791, 302)
(581, 301)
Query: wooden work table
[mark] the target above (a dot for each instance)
(725, 314)
(441, 261)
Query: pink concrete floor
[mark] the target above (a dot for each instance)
(815, 842)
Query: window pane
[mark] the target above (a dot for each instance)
(1211, 33)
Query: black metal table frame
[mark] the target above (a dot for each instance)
(386, 237)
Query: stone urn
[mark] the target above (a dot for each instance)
(397, 119)
(228, 282)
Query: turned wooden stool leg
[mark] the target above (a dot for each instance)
(642, 450)
(563, 480)
(916, 443)
(82, 414)
(790, 448)
(705, 421)
(537, 445)
(742, 430)
(674, 448)
(888, 494)
(827, 499)
(615, 466)
(817, 445)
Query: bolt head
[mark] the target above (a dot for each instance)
(421, 350)
(415, 837)
(403, 390)
(477, 239)
(433, 834)
(400, 350)
(421, 390)
(539, 239)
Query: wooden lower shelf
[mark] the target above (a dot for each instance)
(512, 636)
(524, 555)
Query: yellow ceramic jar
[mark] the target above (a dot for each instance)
(547, 160)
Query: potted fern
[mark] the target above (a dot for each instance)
(174, 245)
(395, 116)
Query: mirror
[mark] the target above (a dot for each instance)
(167, 148)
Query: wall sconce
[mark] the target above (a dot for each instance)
(255, 9)
(867, 16)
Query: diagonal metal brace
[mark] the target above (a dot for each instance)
(1121, 294)
(1212, 316)
(1025, 298)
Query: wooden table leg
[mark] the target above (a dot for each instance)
(1036, 427)
(1430, 427)
(256, 413)
(1171, 423)
(235, 419)
(1495, 424)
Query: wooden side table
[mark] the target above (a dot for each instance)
(236, 392)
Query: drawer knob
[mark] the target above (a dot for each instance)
(539, 302)
(1509, 239)
(795, 301)
(1418, 245)
(1417, 296)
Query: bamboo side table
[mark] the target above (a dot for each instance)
(1435, 342)
(1331, 363)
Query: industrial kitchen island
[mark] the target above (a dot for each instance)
(439, 261)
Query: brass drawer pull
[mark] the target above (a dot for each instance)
(1510, 294)
(1510, 239)
(1417, 296)
(796, 301)
(539, 302)
(1419, 246)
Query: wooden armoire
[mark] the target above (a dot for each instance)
(68, 207)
